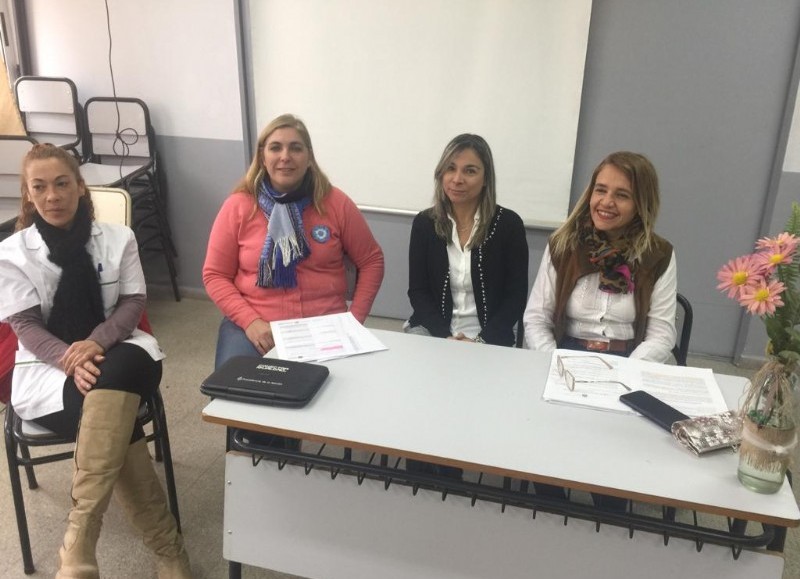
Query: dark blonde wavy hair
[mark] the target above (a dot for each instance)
(41, 152)
(646, 197)
(251, 181)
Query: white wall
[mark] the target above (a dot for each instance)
(179, 56)
(384, 85)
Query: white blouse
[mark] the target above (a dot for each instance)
(594, 314)
(465, 310)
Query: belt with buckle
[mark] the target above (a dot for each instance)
(618, 346)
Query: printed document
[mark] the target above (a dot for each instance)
(599, 379)
(323, 338)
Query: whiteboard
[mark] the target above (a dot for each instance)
(384, 85)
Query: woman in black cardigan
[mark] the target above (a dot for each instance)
(468, 257)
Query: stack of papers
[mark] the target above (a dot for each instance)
(693, 391)
(323, 338)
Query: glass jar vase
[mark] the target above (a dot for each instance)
(769, 427)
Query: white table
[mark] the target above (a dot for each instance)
(478, 407)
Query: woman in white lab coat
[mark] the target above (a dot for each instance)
(74, 292)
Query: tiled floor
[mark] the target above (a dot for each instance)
(187, 331)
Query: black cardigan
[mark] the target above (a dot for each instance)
(499, 277)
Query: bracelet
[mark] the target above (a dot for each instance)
(479, 340)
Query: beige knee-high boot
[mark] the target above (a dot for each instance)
(103, 439)
(139, 492)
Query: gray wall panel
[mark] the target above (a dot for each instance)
(200, 174)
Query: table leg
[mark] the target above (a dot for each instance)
(234, 570)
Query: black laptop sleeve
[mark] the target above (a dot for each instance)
(265, 381)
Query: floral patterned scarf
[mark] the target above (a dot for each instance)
(608, 258)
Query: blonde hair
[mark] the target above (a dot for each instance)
(487, 204)
(252, 180)
(646, 197)
(43, 152)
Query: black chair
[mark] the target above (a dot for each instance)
(120, 151)
(683, 321)
(21, 435)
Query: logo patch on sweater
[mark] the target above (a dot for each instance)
(320, 233)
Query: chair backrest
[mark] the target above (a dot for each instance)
(683, 323)
(351, 276)
(12, 150)
(118, 128)
(50, 110)
(111, 205)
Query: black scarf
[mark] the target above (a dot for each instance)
(77, 304)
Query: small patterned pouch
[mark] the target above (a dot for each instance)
(705, 434)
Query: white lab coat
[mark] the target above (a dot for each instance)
(29, 279)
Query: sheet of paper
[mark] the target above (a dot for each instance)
(323, 338)
(693, 391)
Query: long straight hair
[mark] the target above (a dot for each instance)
(442, 207)
(251, 182)
(646, 197)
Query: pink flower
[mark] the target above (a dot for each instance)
(770, 258)
(762, 298)
(625, 271)
(783, 243)
(737, 274)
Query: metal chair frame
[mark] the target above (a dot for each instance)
(681, 349)
(119, 146)
(21, 435)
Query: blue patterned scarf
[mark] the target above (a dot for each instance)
(286, 244)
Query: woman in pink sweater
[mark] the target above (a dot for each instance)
(277, 247)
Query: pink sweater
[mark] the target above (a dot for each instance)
(234, 248)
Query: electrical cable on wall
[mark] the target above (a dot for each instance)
(121, 146)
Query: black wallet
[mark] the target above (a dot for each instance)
(265, 381)
(651, 407)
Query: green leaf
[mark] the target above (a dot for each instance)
(793, 223)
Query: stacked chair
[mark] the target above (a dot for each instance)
(12, 150)
(119, 146)
(50, 110)
(114, 140)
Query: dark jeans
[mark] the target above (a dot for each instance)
(232, 341)
(600, 501)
